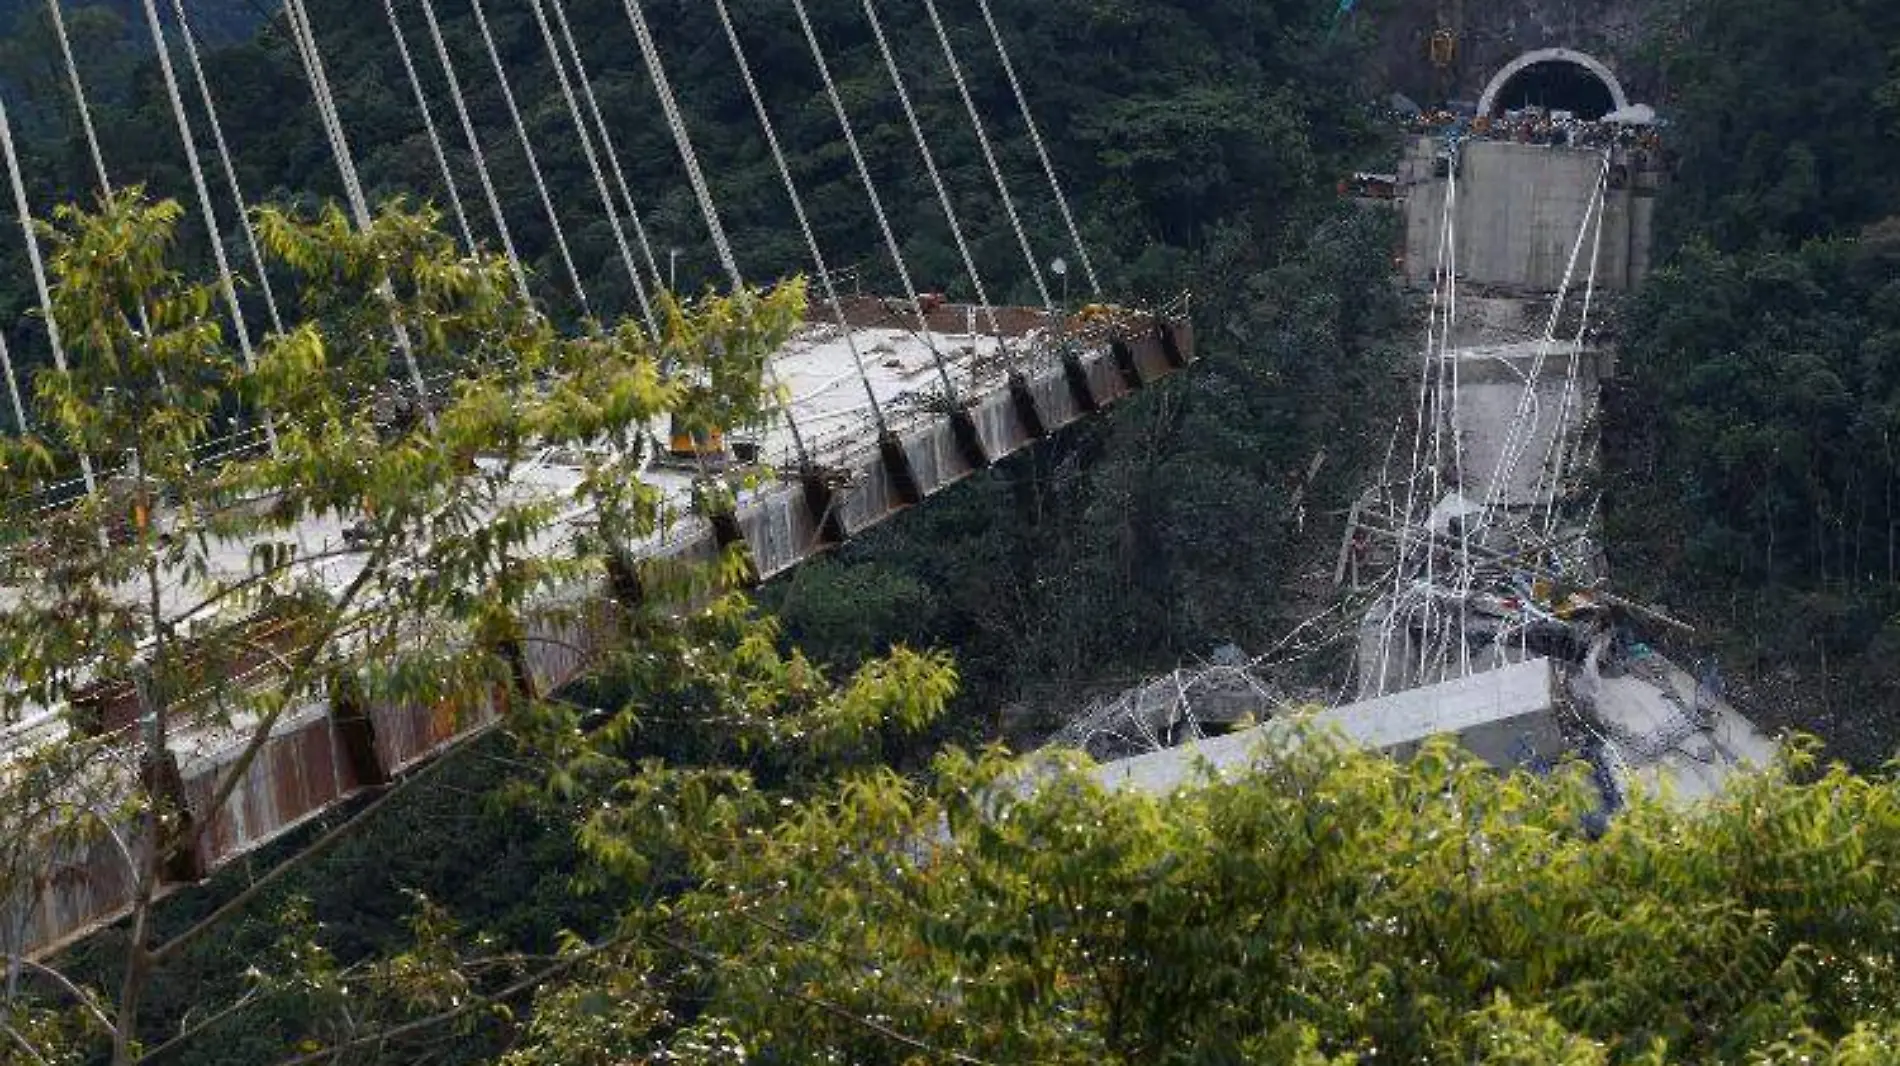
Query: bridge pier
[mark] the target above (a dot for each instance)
(1080, 389)
(969, 441)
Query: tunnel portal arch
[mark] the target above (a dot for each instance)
(1561, 78)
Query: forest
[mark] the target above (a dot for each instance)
(779, 837)
(1751, 473)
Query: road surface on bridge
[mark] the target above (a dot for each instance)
(308, 764)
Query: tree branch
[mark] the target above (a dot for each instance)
(66, 985)
(22, 1043)
(408, 1029)
(187, 1034)
(833, 1009)
(261, 734)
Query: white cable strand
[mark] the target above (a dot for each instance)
(1042, 153)
(230, 169)
(1554, 456)
(226, 283)
(989, 154)
(676, 124)
(92, 138)
(877, 202)
(39, 270)
(657, 72)
(1528, 405)
(930, 167)
(79, 96)
(299, 20)
(593, 160)
(527, 150)
(13, 385)
(428, 124)
(1403, 522)
(1525, 414)
(798, 212)
(607, 148)
(1465, 575)
(475, 150)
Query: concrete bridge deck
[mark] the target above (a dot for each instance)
(1016, 386)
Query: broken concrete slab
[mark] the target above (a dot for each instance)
(1507, 716)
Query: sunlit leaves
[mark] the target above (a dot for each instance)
(1324, 907)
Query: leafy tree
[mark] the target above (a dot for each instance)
(1321, 907)
(136, 604)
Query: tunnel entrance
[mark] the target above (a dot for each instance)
(1557, 86)
(1556, 78)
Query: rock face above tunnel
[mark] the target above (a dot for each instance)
(1492, 33)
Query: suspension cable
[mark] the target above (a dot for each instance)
(930, 166)
(38, 266)
(85, 121)
(989, 154)
(475, 150)
(1515, 441)
(650, 52)
(1554, 458)
(607, 148)
(226, 283)
(798, 212)
(79, 96)
(677, 126)
(13, 385)
(527, 150)
(1403, 522)
(428, 124)
(1042, 152)
(593, 160)
(301, 28)
(877, 202)
(230, 169)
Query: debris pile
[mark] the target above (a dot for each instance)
(1186, 704)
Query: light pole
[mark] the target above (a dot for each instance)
(1061, 269)
(672, 271)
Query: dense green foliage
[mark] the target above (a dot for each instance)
(1320, 908)
(1752, 466)
(714, 822)
(1172, 527)
(1167, 120)
(1196, 141)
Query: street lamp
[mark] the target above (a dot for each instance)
(672, 271)
(1061, 269)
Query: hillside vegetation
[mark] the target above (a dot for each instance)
(773, 833)
(1753, 463)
